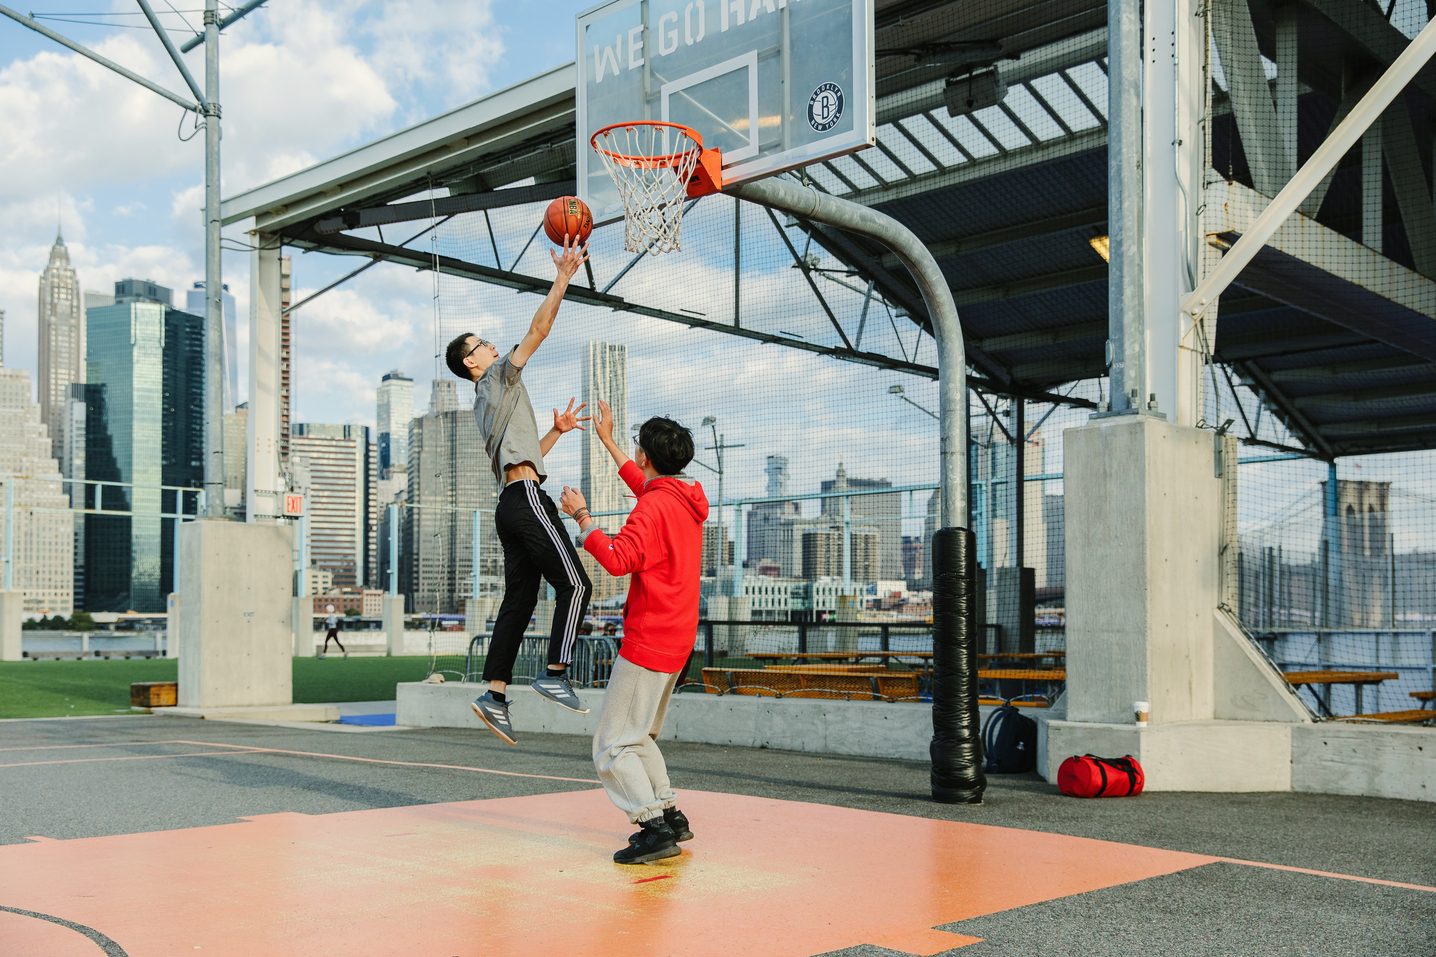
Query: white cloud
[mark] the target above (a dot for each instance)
(458, 66)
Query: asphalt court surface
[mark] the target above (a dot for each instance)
(158, 836)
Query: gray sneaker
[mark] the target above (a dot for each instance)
(495, 714)
(560, 692)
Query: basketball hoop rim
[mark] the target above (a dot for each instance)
(648, 162)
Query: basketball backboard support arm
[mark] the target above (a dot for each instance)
(963, 780)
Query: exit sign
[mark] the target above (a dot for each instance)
(293, 504)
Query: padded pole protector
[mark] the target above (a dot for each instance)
(956, 749)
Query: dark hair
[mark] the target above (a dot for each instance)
(454, 357)
(668, 444)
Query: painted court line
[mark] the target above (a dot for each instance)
(1332, 874)
(106, 744)
(132, 757)
(402, 764)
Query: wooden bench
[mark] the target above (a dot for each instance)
(839, 656)
(831, 669)
(1016, 702)
(154, 694)
(1412, 716)
(1326, 678)
(1426, 696)
(794, 683)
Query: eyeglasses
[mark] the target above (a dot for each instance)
(478, 344)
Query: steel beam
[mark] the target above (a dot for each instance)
(1408, 180)
(1295, 422)
(1083, 142)
(1408, 365)
(1092, 218)
(1256, 115)
(360, 218)
(419, 259)
(1406, 66)
(1360, 396)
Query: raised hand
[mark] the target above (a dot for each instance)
(603, 422)
(569, 419)
(573, 256)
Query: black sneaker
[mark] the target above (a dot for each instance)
(495, 716)
(677, 821)
(654, 842)
(557, 689)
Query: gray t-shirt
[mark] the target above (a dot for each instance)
(506, 418)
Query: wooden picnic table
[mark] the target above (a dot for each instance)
(1021, 655)
(848, 656)
(1321, 681)
(1023, 674)
(1052, 677)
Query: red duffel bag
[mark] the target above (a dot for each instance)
(1089, 776)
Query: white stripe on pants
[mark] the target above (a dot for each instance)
(625, 751)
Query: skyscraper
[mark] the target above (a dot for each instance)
(773, 527)
(605, 376)
(336, 461)
(395, 409)
(449, 481)
(144, 426)
(62, 338)
(881, 513)
(236, 466)
(2, 337)
(41, 522)
(286, 360)
(196, 306)
(444, 397)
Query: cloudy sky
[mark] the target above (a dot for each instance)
(114, 166)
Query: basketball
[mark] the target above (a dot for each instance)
(567, 215)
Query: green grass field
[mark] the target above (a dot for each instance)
(54, 689)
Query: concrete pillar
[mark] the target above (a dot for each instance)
(1143, 521)
(263, 498)
(172, 626)
(12, 605)
(1014, 609)
(301, 619)
(394, 624)
(237, 631)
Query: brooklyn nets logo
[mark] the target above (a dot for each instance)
(825, 107)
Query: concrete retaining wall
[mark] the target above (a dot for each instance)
(860, 728)
(1370, 760)
(1203, 756)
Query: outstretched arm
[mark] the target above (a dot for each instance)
(603, 427)
(567, 264)
(565, 421)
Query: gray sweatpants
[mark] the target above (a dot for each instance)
(624, 748)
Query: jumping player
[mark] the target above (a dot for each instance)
(528, 524)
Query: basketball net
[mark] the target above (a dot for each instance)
(655, 166)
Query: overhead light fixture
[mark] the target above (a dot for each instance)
(972, 92)
(1102, 246)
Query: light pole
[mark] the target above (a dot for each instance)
(897, 390)
(719, 445)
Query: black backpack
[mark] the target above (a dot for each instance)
(1009, 739)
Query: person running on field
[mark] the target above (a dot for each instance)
(661, 546)
(331, 631)
(529, 528)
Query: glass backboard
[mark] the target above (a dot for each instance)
(774, 84)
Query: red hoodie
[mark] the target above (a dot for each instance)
(661, 546)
